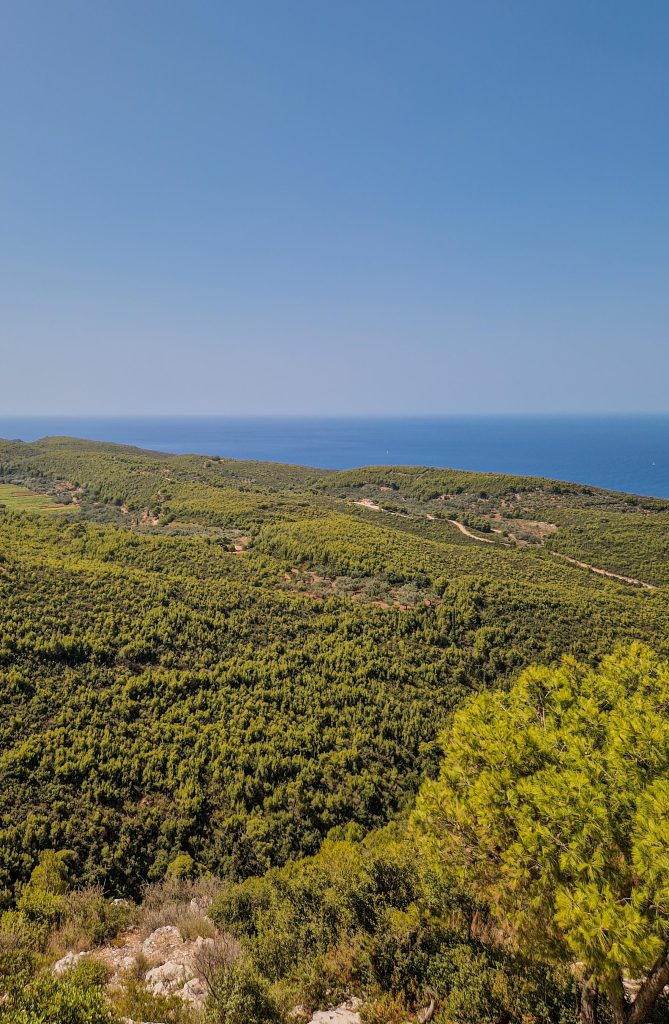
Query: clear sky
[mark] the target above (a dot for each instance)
(360, 206)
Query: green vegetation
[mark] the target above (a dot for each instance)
(213, 668)
(551, 809)
(21, 499)
(366, 915)
(46, 1000)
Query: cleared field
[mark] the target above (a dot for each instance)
(21, 499)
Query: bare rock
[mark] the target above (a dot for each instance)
(163, 944)
(118, 959)
(166, 979)
(129, 1020)
(66, 964)
(194, 992)
(121, 961)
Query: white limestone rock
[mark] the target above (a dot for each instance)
(194, 992)
(163, 943)
(66, 964)
(167, 978)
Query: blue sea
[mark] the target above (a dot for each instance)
(625, 453)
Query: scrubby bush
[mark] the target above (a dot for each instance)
(89, 973)
(16, 958)
(47, 1000)
(90, 919)
(183, 866)
(180, 902)
(239, 995)
(43, 897)
(478, 985)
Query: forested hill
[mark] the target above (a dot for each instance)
(228, 659)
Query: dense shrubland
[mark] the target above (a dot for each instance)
(363, 916)
(220, 664)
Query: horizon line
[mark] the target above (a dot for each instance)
(557, 414)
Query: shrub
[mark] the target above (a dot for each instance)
(239, 995)
(19, 930)
(386, 1009)
(88, 919)
(48, 1000)
(183, 866)
(89, 973)
(43, 897)
(180, 902)
(480, 986)
(15, 958)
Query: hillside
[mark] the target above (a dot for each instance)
(228, 660)
(232, 658)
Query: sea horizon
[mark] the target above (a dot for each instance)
(619, 451)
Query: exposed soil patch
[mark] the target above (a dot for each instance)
(524, 531)
(368, 503)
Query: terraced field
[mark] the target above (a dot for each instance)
(22, 499)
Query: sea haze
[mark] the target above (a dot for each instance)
(626, 453)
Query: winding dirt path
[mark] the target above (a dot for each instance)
(604, 572)
(463, 529)
(369, 504)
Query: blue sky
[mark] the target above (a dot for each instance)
(350, 207)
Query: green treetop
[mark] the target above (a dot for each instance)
(552, 810)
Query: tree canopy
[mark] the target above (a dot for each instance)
(552, 810)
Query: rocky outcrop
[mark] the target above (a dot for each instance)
(166, 979)
(173, 961)
(163, 943)
(194, 991)
(66, 964)
(348, 1013)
